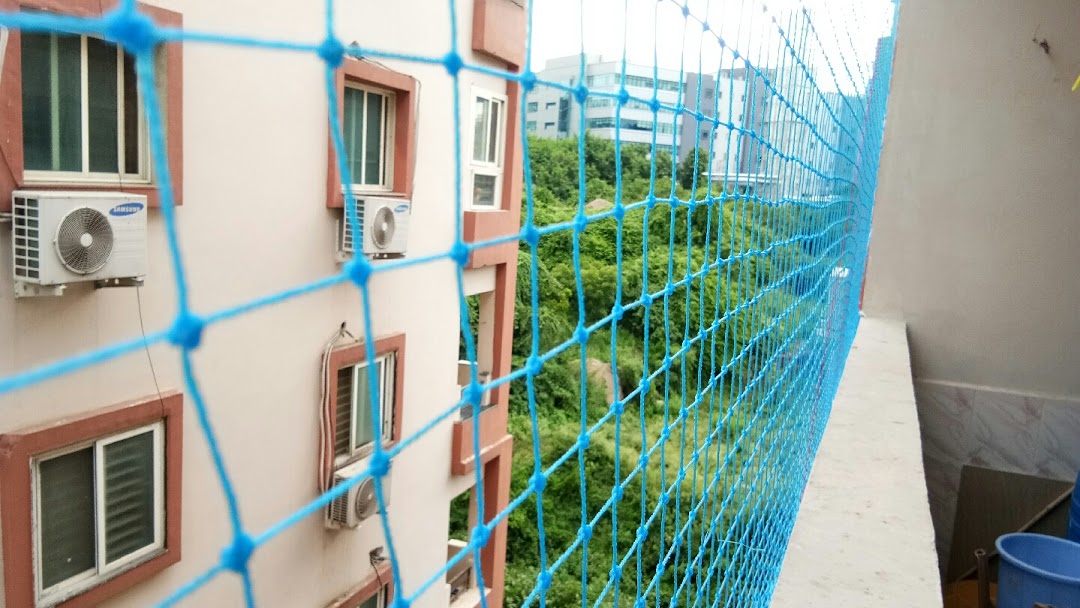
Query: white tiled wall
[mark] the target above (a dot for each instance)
(968, 425)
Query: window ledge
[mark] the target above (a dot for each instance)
(866, 484)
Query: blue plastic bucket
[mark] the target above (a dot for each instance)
(1037, 568)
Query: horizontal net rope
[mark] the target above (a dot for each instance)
(725, 306)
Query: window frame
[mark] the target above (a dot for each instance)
(103, 569)
(169, 81)
(386, 146)
(36, 177)
(386, 376)
(359, 73)
(484, 167)
(22, 451)
(352, 354)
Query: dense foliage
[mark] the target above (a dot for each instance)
(702, 286)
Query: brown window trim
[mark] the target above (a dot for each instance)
(351, 354)
(498, 30)
(405, 90)
(367, 588)
(11, 150)
(16, 451)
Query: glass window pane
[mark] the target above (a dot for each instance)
(484, 191)
(375, 601)
(353, 128)
(373, 164)
(480, 118)
(52, 102)
(132, 160)
(493, 135)
(364, 423)
(67, 140)
(36, 87)
(129, 495)
(102, 105)
(66, 496)
(343, 405)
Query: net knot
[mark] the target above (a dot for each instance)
(332, 52)
(531, 235)
(538, 482)
(533, 365)
(481, 535)
(459, 253)
(528, 81)
(379, 465)
(186, 331)
(585, 533)
(131, 29)
(581, 335)
(358, 271)
(235, 557)
(453, 63)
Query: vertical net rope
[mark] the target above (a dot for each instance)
(736, 293)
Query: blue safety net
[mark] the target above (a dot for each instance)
(719, 294)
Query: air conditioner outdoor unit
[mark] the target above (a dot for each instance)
(358, 503)
(65, 237)
(384, 228)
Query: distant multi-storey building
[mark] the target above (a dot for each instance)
(554, 113)
(741, 104)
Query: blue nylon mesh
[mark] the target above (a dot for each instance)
(743, 421)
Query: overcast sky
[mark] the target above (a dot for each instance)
(848, 31)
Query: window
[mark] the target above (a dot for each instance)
(356, 429)
(376, 601)
(530, 125)
(533, 106)
(489, 112)
(349, 429)
(74, 115)
(82, 110)
(549, 105)
(98, 508)
(549, 125)
(377, 115)
(629, 124)
(607, 102)
(644, 82)
(89, 499)
(369, 136)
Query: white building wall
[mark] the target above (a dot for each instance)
(254, 222)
